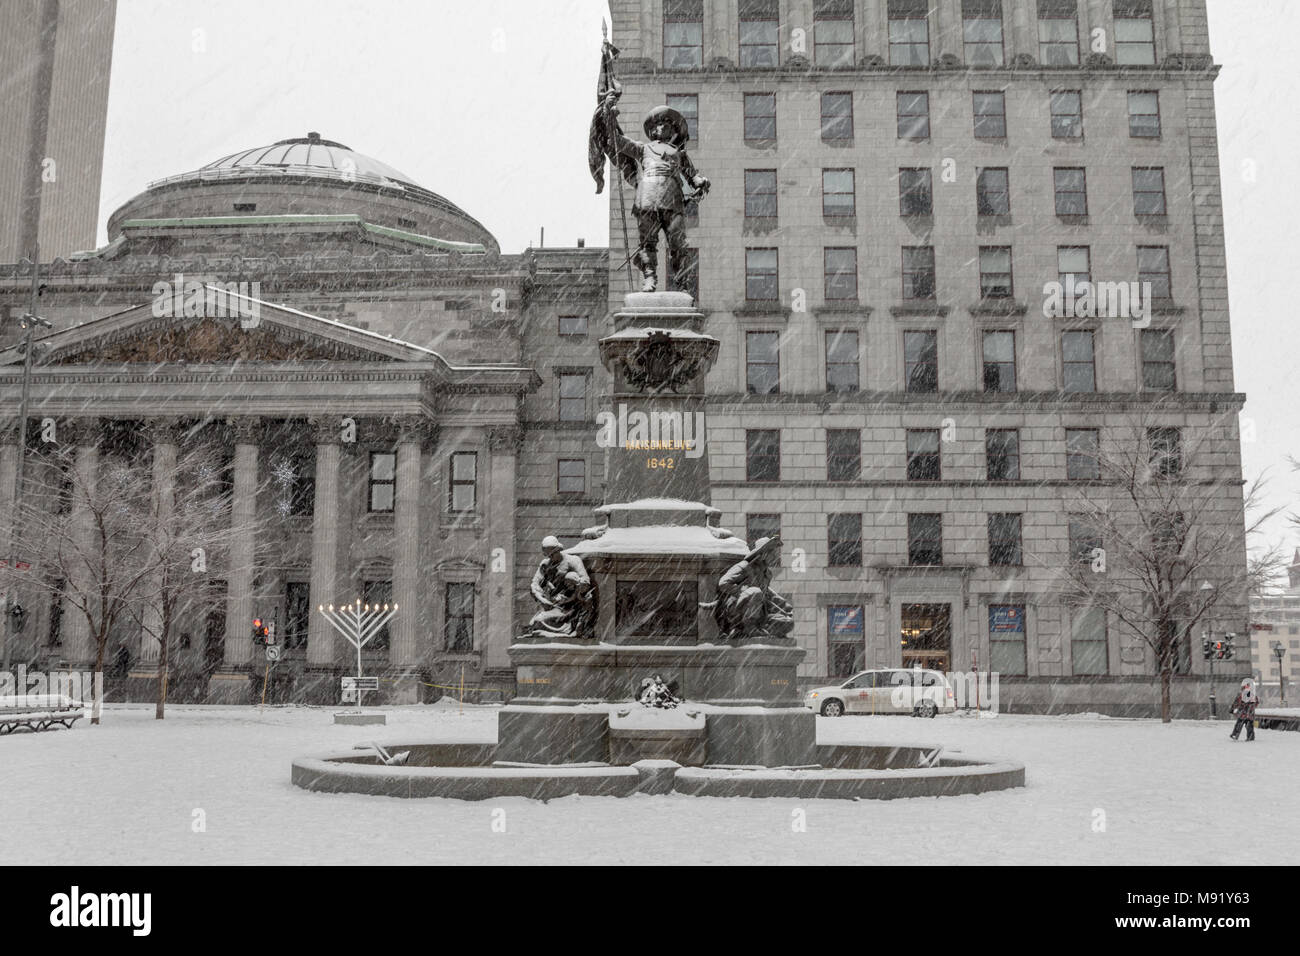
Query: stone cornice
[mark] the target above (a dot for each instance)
(1091, 402)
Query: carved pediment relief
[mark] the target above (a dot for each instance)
(210, 341)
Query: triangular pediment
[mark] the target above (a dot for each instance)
(265, 333)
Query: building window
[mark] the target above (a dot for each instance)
(689, 280)
(995, 272)
(1067, 114)
(1135, 37)
(460, 617)
(463, 494)
(909, 33)
(1149, 191)
(761, 283)
(833, 32)
(921, 361)
(245, 207)
(573, 396)
(918, 272)
(297, 614)
(913, 115)
(925, 539)
(1084, 539)
(1078, 361)
(923, 454)
(837, 117)
(1082, 455)
(845, 639)
(990, 109)
(683, 34)
(1165, 446)
(843, 454)
(1007, 639)
(762, 454)
(838, 200)
(762, 363)
(1000, 362)
(571, 476)
(982, 31)
(1088, 641)
(573, 325)
(1071, 185)
(1158, 371)
(1058, 32)
(1144, 114)
(1002, 454)
(760, 117)
(993, 192)
(915, 192)
(1153, 267)
(760, 194)
(1073, 261)
(844, 540)
(1005, 541)
(688, 104)
(759, 46)
(762, 526)
(842, 368)
(383, 480)
(377, 594)
(840, 274)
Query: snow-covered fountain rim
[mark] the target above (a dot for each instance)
(357, 771)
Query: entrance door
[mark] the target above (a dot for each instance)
(927, 636)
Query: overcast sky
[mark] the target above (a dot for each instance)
(487, 103)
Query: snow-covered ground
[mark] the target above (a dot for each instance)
(129, 791)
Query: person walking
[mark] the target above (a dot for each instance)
(1244, 707)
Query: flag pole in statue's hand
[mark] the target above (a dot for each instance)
(609, 84)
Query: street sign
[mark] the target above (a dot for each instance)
(367, 683)
(17, 565)
(273, 652)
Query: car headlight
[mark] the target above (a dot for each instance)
(812, 694)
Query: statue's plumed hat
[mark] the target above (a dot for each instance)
(667, 114)
(764, 546)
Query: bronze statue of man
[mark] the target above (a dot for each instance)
(664, 172)
(747, 606)
(563, 588)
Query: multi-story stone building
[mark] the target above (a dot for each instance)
(56, 56)
(405, 417)
(894, 184)
(1275, 619)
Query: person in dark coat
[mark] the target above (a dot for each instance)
(1244, 707)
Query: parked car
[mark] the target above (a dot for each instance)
(921, 693)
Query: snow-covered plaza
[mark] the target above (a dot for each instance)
(210, 785)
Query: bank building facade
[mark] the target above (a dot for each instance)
(410, 411)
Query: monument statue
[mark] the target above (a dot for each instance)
(664, 175)
(563, 588)
(748, 608)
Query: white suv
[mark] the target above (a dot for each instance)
(921, 693)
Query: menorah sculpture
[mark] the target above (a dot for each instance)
(358, 623)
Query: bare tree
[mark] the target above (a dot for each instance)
(84, 530)
(1167, 533)
(189, 529)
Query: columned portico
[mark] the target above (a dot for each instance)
(230, 684)
(404, 651)
(162, 432)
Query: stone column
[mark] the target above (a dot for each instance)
(946, 36)
(504, 444)
(78, 642)
(876, 21)
(404, 650)
(162, 431)
(1098, 16)
(1173, 29)
(246, 433)
(325, 544)
(8, 478)
(1021, 34)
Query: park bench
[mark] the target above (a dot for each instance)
(1278, 718)
(37, 712)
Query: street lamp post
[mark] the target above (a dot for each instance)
(1205, 589)
(1280, 652)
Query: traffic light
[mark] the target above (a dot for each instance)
(261, 633)
(1227, 646)
(1206, 649)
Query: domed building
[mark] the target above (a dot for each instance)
(402, 412)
